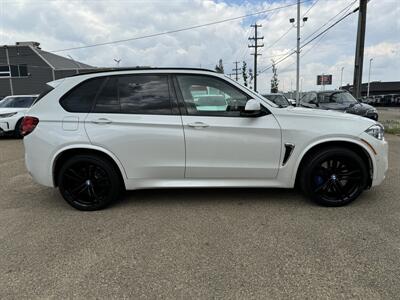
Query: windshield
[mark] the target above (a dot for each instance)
(279, 100)
(336, 97)
(251, 92)
(17, 102)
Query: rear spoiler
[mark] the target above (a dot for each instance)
(55, 83)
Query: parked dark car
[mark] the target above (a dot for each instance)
(338, 100)
(278, 99)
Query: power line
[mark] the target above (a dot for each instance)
(276, 41)
(178, 30)
(309, 49)
(321, 33)
(291, 27)
(322, 26)
(308, 10)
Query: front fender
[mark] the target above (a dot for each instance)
(319, 142)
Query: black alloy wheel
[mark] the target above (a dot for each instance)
(89, 182)
(334, 177)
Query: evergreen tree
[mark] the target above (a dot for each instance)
(274, 79)
(220, 67)
(244, 73)
(251, 77)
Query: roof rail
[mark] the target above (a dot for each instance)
(103, 70)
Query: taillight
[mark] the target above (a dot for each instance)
(28, 125)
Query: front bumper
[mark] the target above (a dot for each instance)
(4, 126)
(379, 156)
(372, 115)
(7, 125)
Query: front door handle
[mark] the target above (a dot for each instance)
(198, 125)
(101, 121)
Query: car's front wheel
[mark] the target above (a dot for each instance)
(334, 176)
(89, 182)
(17, 130)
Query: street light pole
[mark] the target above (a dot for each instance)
(341, 78)
(369, 75)
(298, 56)
(301, 84)
(292, 20)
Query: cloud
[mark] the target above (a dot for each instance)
(65, 24)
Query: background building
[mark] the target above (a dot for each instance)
(25, 68)
(380, 92)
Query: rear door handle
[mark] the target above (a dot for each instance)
(198, 125)
(101, 121)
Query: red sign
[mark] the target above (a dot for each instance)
(324, 79)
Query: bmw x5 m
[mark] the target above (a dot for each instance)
(94, 135)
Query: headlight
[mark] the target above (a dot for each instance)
(7, 115)
(376, 131)
(371, 111)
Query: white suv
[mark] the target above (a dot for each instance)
(96, 134)
(12, 111)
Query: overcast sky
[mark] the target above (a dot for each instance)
(65, 24)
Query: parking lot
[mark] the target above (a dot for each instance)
(200, 243)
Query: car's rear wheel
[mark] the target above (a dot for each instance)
(334, 177)
(89, 182)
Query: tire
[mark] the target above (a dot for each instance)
(89, 182)
(334, 176)
(17, 130)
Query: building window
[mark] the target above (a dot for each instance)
(14, 71)
(5, 71)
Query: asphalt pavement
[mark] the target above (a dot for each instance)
(197, 243)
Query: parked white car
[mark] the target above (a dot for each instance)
(96, 134)
(12, 111)
(292, 101)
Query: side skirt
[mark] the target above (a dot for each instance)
(134, 184)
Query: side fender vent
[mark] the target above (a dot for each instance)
(289, 147)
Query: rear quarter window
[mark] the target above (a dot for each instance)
(80, 99)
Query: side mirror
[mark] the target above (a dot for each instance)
(252, 106)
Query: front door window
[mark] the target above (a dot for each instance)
(207, 96)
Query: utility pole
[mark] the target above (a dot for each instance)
(359, 57)
(255, 38)
(298, 56)
(236, 70)
(369, 75)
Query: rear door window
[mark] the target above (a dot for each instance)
(144, 94)
(107, 101)
(135, 94)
